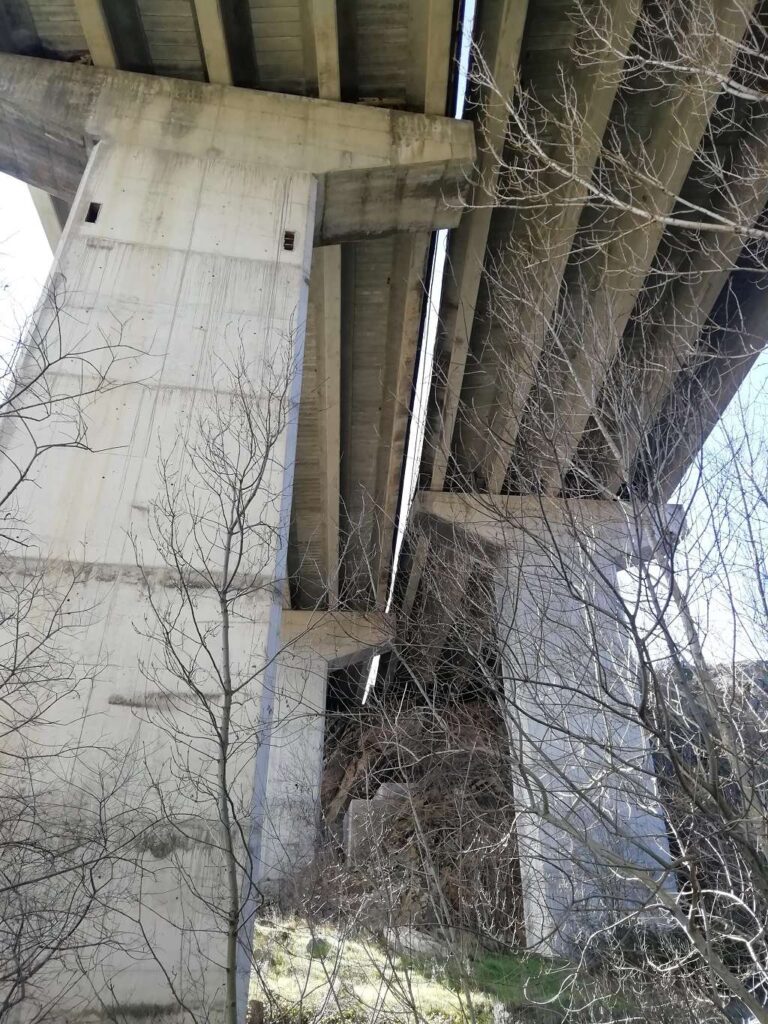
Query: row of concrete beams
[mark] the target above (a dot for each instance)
(654, 365)
(321, 43)
(218, 21)
(431, 31)
(225, 33)
(677, 129)
(595, 88)
(503, 30)
(105, 46)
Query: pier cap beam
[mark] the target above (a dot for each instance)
(340, 638)
(627, 532)
(379, 170)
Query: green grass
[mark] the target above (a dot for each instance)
(515, 979)
(356, 978)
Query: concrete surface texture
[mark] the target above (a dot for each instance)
(183, 266)
(195, 208)
(382, 170)
(589, 826)
(188, 251)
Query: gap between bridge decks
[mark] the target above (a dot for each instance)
(425, 355)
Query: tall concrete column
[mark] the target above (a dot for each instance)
(589, 826)
(180, 261)
(189, 239)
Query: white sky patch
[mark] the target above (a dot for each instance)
(725, 619)
(25, 258)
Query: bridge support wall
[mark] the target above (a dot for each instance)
(183, 264)
(591, 835)
(585, 792)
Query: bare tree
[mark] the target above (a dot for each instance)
(211, 585)
(621, 304)
(53, 867)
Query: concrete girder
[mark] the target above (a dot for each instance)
(467, 251)
(430, 30)
(213, 39)
(325, 293)
(323, 43)
(639, 384)
(115, 35)
(508, 386)
(404, 321)
(569, 394)
(95, 27)
(397, 177)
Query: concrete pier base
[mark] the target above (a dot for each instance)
(313, 645)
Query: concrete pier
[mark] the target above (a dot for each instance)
(181, 262)
(590, 831)
(189, 247)
(313, 644)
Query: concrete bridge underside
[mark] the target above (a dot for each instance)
(300, 150)
(365, 316)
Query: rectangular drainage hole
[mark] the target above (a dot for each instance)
(93, 213)
(289, 240)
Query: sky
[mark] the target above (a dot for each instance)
(722, 532)
(25, 257)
